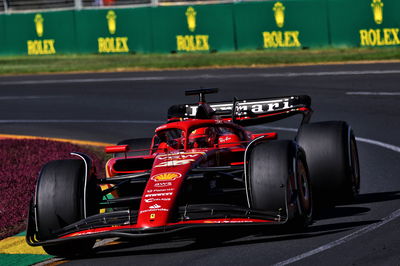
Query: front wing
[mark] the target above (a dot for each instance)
(122, 224)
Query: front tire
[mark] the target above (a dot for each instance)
(279, 181)
(60, 202)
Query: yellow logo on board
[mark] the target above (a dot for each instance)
(380, 36)
(279, 14)
(112, 44)
(377, 10)
(191, 18)
(39, 25)
(280, 39)
(40, 47)
(191, 43)
(112, 21)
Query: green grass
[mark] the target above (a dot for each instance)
(79, 63)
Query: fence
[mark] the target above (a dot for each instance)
(285, 24)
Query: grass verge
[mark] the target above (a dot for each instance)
(126, 62)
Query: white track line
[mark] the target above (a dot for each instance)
(342, 240)
(373, 93)
(7, 98)
(202, 76)
(355, 234)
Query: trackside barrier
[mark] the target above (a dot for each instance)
(40, 33)
(3, 48)
(284, 24)
(201, 28)
(114, 31)
(364, 23)
(281, 24)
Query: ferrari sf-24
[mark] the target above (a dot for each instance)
(202, 170)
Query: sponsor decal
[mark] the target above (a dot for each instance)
(382, 36)
(242, 108)
(39, 25)
(159, 190)
(280, 39)
(166, 176)
(156, 199)
(179, 156)
(154, 210)
(191, 18)
(175, 163)
(279, 14)
(163, 184)
(197, 42)
(227, 222)
(40, 47)
(112, 44)
(155, 206)
(158, 194)
(111, 21)
(164, 189)
(377, 10)
(225, 139)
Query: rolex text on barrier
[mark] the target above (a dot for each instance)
(241, 25)
(365, 23)
(192, 42)
(280, 39)
(112, 44)
(379, 36)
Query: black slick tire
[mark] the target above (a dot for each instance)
(59, 202)
(278, 181)
(332, 158)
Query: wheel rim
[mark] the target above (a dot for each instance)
(355, 168)
(304, 188)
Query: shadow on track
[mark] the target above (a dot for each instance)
(377, 197)
(221, 238)
(346, 210)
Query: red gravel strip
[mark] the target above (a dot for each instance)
(20, 163)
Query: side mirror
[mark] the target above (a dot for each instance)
(117, 149)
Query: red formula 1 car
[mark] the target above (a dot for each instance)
(202, 171)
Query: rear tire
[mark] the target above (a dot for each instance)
(332, 157)
(59, 200)
(279, 181)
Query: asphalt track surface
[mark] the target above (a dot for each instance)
(110, 107)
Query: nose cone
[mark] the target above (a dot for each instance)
(162, 189)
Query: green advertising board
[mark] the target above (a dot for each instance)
(107, 31)
(3, 49)
(44, 33)
(200, 28)
(365, 23)
(281, 24)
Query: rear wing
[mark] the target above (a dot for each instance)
(250, 111)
